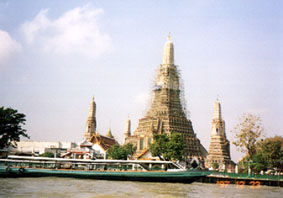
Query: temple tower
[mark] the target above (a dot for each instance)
(219, 149)
(166, 113)
(91, 121)
(127, 132)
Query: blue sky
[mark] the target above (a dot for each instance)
(54, 56)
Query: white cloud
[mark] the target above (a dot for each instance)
(75, 32)
(39, 24)
(8, 45)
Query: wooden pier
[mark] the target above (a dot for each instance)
(225, 179)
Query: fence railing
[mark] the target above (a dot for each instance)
(247, 176)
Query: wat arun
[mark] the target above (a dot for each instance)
(166, 114)
(219, 148)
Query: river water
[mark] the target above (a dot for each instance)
(69, 187)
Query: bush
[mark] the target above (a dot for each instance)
(47, 154)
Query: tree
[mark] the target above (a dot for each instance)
(159, 146)
(129, 149)
(215, 166)
(47, 154)
(243, 164)
(121, 152)
(168, 147)
(11, 123)
(258, 163)
(247, 133)
(269, 154)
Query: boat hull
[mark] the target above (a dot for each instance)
(151, 176)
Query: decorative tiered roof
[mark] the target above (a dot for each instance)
(103, 141)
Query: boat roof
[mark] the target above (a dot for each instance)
(15, 157)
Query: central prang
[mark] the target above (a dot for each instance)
(166, 114)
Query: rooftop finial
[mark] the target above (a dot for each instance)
(109, 133)
(169, 38)
(168, 53)
(217, 98)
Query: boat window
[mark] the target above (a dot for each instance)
(194, 164)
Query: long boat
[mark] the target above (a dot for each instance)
(123, 170)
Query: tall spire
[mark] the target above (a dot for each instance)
(92, 108)
(217, 110)
(218, 124)
(219, 148)
(127, 132)
(91, 120)
(168, 54)
(167, 75)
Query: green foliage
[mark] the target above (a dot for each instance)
(11, 126)
(114, 151)
(215, 165)
(258, 163)
(121, 152)
(159, 146)
(243, 166)
(129, 149)
(247, 133)
(47, 154)
(269, 154)
(168, 147)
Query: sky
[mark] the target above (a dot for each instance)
(56, 55)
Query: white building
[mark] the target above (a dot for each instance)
(38, 147)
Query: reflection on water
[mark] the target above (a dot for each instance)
(69, 187)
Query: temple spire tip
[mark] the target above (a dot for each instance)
(217, 98)
(168, 53)
(169, 38)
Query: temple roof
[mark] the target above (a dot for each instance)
(103, 141)
(85, 143)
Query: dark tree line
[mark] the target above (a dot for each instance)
(168, 147)
(11, 127)
(121, 152)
